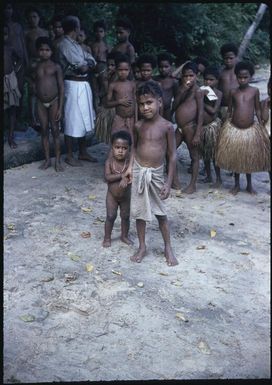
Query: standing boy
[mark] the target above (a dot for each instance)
(123, 30)
(121, 95)
(119, 191)
(79, 114)
(243, 145)
(188, 107)
(227, 79)
(211, 123)
(168, 84)
(153, 138)
(49, 90)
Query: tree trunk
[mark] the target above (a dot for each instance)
(251, 30)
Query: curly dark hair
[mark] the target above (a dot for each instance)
(229, 47)
(244, 65)
(150, 87)
(122, 134)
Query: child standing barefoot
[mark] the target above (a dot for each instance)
(211, 124)
(118, 194)
(49, 90)
(243, 145)
(154, 137)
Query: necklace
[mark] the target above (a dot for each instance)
(117, 171)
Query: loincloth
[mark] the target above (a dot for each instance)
(243, 150)
(146, 186)
(120, 123)
(210, 137)
(48, 104)
(12, 94)
(103, 124)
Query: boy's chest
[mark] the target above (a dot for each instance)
(45, 70)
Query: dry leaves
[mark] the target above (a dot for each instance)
(116, 272)
(181, 317)
(92, 197)
(89, 267)
(27, 318)
(85, 234)
(74, 257)
(86, 209)
(201, 247)
(213, 233)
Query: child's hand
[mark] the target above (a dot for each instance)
(128, 175)
(196, 140)
(124, 182)
(58, 116)
(165, 191)
(126, 102)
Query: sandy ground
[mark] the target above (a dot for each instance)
(74, 311)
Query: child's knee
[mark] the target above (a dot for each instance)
(111, 217)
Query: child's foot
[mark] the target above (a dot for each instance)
(11, 143)
(126, 240)
(189, 190)
(235, 190)
(72, 162)
(176, 186)
(106, 243)
(169, 256)
(139, 255)
(88, 158)
(207, 180)
(45, 164)
(251, 191)
(58, 166)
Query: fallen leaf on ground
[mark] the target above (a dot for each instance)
(98, 219)
(85, 234)
(231, 224)
(34, 177)
(245, 253)
(11, 226)
(70, 277)
(116, 272)
(89, 267)
(181, 317)
(5, 237)
(27, 318)
(201, 247)
(204, 347)
(74, 257)
(213, 233)
(140, 284)
(91, 197)
(86, 209)
(162, 273)
(176, 283)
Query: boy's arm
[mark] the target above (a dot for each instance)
(229, 113)
(126, 101)
(200, 110)
(131, 53)
(171, 153)
(181, 95)
(265, 110)
(61, 91)
(128, 173)
(212, 110)
(108, 175)
(258, 106)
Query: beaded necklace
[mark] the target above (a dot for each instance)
(117, 171)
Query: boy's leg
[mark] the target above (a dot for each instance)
(83, 154)
(236, 187)
(207, 164)
(141, 252)
(124, 214)
(168, 252)
(112, 207)
(218, 181)
(55, 133)
(43, 118)
(69, 156)
(176, 182)
(249, 187)
(189, 133)
(12, 122)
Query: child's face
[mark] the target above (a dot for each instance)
(189, 77)
(81, 37)
(201, 68)
(149, 106)
(111, 66)
(210, 80)
(146, 71)
(33, 19)
(137, 73)
(120, 149)
(229, 59)
(243, 78)
(44, 52)
(58, 30)
(123, 70)
(165, 68)
(122, 34)
(100, 33)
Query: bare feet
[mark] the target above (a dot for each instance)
(250, 190)
(72, 162)
(58, 166)
(45, 164)
(176, 186)
(126, 240)
(139, 255)
(88, 158)
(189, 190)
(169, 256)
(235, 190)
(11, 143)
(106, 243)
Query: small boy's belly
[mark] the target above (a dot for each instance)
(119, 193)
(242, 120)
(125, 112)
(46, 91)
(186, 113)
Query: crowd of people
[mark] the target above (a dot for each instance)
(80, 87)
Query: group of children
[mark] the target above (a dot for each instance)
(221, 120)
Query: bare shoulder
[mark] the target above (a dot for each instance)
(168, 126)
(218, 93)
(138, 124)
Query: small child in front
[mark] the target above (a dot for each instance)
(154, 138)
(243, 145)
(50, 94)
(121, 95)
(119, 191)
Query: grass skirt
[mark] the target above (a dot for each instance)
(243, 150)
(103, 124)
(210, 137)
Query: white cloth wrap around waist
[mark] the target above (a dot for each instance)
(79, 114)
(146, 186)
